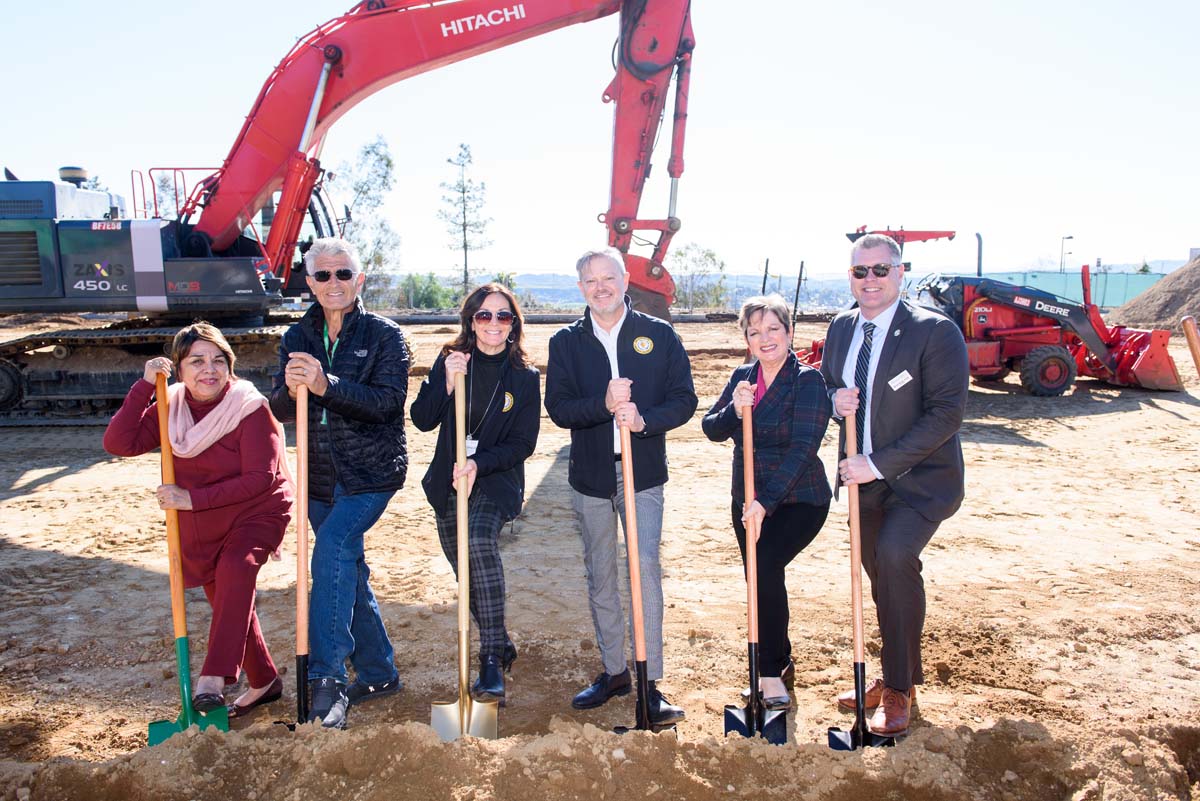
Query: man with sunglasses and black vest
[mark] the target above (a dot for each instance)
(617, 367)
(355, 365)
(901, 370)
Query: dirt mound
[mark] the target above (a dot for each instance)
(1015, 760)
(44, 322)
(1165, 303)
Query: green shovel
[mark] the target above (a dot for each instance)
(160, 730)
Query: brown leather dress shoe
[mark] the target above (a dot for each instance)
(891, 716)
(874, 691)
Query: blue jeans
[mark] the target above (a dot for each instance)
(344, 621)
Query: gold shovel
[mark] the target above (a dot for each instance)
(453, 719)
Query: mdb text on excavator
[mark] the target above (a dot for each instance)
(64, 248)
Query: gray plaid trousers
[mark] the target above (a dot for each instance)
(487, 572)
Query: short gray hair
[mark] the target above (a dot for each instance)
(610, 253)
(331, 246)
(773, 303)
(874, 241)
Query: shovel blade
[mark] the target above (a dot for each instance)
(739, 720)
(454, 719)
(852, 740)
(162, 730)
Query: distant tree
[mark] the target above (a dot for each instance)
(168, 204)
(463, 213)
(506, 279)
(95, 184)
(1145, 268)
(699, 278)
(424, 292)
(367, 180)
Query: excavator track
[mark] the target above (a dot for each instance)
(80, 376)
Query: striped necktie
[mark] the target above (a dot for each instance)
(861, 368)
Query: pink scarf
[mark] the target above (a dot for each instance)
(189, 438)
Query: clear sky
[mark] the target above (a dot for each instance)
(1024, 121)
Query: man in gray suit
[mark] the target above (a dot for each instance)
(902, 371)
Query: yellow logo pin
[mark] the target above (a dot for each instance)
(508, 401)
(643, 345)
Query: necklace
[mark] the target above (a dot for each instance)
(470, 389)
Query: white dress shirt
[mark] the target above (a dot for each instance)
(883, 326)
(609, 340)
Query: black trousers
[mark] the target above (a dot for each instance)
(784, 534)
(893, 536)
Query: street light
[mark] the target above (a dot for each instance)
(1062, 252)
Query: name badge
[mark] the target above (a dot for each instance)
(900, 380)
(472, 444)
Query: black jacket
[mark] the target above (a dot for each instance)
(650, 354)
(362, 447)
(506, 436)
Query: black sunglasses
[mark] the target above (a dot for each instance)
(880, 270)
(504, 317)
(344, 274)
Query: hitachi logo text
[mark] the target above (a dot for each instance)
(497, 16)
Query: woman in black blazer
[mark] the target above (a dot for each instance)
(503, 413)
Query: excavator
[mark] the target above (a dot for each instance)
(64, 248)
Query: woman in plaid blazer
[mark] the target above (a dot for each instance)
(791, 412)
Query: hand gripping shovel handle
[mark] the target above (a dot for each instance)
(160, 730)
(635, 581)
(301, 553)
(859, 735)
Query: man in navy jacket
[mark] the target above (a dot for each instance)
(617, 367)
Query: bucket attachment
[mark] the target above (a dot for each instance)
(1142, 360)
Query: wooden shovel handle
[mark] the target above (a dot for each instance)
(751, 530)
(631, 546)
(462, 523)
(174, 560)
(855, 544)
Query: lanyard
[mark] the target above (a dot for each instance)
(486, 409)
(329, 351)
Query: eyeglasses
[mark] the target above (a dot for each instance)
(880, 270)
(504, 317)
(344, 274)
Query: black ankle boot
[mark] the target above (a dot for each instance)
(490, 684)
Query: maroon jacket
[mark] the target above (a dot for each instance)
(238, 478)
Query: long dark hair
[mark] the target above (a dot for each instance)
(465, 340)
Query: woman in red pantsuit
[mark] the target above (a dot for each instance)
(233, 494)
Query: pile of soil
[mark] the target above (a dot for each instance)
(1164, 304)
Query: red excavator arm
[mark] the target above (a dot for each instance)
(901, 236)
(378, 43)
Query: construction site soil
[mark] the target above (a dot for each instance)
(1164, 304)
(1062, 643)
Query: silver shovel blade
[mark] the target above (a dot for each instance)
(473, 718)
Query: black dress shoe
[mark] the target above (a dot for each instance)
(207, 702)
(273, 693)
(662, 712)
(490, 684)
(510, 656)
(603, 688)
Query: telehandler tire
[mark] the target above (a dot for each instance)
(1048, 370)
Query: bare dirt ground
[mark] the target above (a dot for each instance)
(1061, 644)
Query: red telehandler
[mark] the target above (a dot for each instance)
(67, 249)
(1048, 340)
